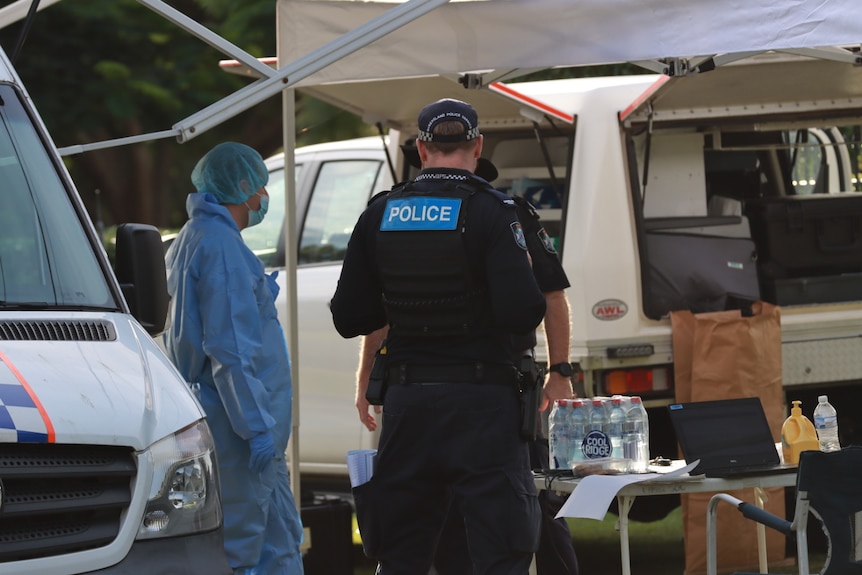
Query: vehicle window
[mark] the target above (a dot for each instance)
(46, 257)
(340, 194)
(263, 239)
(807, 161)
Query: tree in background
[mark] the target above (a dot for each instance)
(105, 69)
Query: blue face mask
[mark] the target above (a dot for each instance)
(256, 216)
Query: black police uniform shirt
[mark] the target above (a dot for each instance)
(546, 261)
(547, 268)
(494, 244)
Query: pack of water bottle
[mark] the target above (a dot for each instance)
(600, 434)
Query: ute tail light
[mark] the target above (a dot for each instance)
(637, 381)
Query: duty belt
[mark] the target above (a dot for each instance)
(484, 373)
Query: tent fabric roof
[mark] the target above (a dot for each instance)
(396, 103)
(473, 35)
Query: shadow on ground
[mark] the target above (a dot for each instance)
(656, 548)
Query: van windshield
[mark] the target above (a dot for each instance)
(46, 258)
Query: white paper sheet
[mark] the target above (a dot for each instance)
(360, 465)
(594, 493)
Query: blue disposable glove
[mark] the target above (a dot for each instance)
(262, 452)
(273, 285)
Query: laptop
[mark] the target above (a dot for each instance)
(730, 437)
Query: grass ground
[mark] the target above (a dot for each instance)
(656, 548)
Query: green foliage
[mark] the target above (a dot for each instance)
(624, 69)
(100, 70)
(88, 57)
(318, 121)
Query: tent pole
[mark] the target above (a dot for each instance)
(290, 256)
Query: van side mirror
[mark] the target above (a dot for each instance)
(140, 269)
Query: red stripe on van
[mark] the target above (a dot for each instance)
(643, 97)
(504, 89)
(49, 427)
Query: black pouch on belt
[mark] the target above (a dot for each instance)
(376, 390)
(532, 378)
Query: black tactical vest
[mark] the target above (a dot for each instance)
(428, 286)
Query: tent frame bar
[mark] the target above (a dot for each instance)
(686, 66)
(272, 81)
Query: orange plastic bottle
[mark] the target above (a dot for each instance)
(797, 434)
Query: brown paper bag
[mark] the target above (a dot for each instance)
(682, 334)
(723, 355)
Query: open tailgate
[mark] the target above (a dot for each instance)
(768, 84)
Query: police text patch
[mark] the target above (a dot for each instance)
(421, 214)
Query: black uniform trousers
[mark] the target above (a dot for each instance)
(556, 554)
(442, 444)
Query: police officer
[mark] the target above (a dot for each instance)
(556, 553)
(443, 261)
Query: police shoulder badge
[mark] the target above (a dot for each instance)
(546, 240)
(518, 232)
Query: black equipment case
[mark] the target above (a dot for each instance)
(809, 248)
(808, 235)
(328, 523)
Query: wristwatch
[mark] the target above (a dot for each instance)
(565, 369)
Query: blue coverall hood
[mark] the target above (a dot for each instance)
(231, 172)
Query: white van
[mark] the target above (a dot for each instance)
(106, 461)
(698, 192)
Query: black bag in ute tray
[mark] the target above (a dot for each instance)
(807, 235)
(699, 273)
(810, 290)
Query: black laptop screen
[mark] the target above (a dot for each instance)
(724, 434)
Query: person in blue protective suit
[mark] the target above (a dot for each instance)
(226, 340)
(442, 260)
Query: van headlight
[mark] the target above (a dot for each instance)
(184, 497)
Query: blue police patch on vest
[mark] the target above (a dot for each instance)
(421, 214)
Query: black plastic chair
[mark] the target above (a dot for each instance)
(829, 485)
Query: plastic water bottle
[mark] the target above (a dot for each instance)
(597, 444)
(638, 402)
(826, 424)
(579, 419)
(559, 440)
(636, 436)
(598, 416)
(616, 418)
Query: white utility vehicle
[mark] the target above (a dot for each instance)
(106, 460)
(698, 192)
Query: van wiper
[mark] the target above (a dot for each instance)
(19, 305)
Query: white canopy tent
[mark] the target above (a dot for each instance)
(479, 42)
(469, 35)
(334, 42)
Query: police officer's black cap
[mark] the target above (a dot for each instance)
(448, 110)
